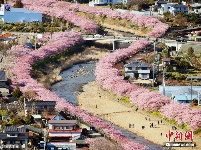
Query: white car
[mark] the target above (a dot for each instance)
(97, 36)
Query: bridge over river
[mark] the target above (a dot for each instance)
(122, 39)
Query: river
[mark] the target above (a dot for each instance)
(70, 86)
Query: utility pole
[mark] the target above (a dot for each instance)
(163, 80)
(198, 99)
(154, 62)
(51, 26)
(35, 39)
(24, 107)
(191, 89)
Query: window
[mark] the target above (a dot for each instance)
(57, 128)
(144, 76)
(129, 68)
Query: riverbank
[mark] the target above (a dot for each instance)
(51, 75)
(114, 111)
(105, 105)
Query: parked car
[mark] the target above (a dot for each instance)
(97, 36)
(180, 39)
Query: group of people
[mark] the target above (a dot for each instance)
(131, 125)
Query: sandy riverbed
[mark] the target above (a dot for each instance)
(105, 105)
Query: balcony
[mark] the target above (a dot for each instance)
(143, 71)
(12, 135)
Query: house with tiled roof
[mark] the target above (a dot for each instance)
(14, 137)
(63, 132)
(177, 8)
(6, 37)
(4, 87)
(37, 107)
(63, 115)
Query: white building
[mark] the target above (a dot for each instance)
(137, 70)
(103, 2)
(164, 8)
(197, 11)
(8, 14)
(178, 8)
(172, 8)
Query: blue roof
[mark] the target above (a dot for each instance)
(185, 97)
(179, 90)
(23, 10)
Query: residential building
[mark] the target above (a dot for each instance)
(63, 115)
(4, 87)
(159, 3)
(182, 94)
(103, 2)
(172, 8)
(166, 61)
(62, 133)
(10, 106)
(177, 8)
(165, 8)
(7, 37)
(197, 38)
(20, 14)
(37, 107)
(13, 137)
(61, 146)
(137, 70)
(64, 129)
(197, 11)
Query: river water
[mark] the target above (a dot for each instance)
(70, 86)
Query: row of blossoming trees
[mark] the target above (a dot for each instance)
(68, 11)
(108, 77)
(21, 77)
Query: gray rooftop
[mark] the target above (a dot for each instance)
(3, 75)
(40, 103)
(136, 64)
(193, 77)
(63, 121)
(179, 6)
(13, 129)
(31, 129)
(179, 90)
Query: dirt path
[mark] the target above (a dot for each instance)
(105, 105)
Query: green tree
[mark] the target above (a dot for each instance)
(1, 1)
(190, 52)
(17, 93)
(183, 63)
(29, 119)
(18, 121)
(18, 4)
(165, 52)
